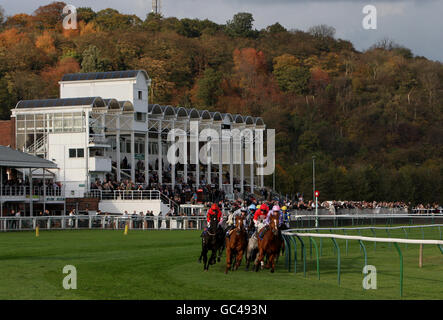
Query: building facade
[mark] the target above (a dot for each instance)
(103, 127)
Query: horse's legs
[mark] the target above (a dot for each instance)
(259, 259)
(248, 257)
(220, 252)
(239, 258)
(201, 254)
(272, 261)
(205, 259)
(233, 260)
(228, 258)
(212, 258)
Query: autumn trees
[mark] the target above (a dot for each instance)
(372, 118)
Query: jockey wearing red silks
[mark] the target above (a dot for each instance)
(262, 212)
(214, 210)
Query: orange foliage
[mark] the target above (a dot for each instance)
(11, 37)
(45, 42)
(53, 75)
(87, 28)
(249, 62)
(20, 20)
(319, 78)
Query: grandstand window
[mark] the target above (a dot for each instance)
(140, 116)
(72, 153)
(76, 153)
(128, 146)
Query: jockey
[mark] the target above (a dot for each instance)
(251, 209)
(239, 212)
(275, 210)
(286, 215)
(260, 216)
(214, 210)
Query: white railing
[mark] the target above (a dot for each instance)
(24, 191)
(38, 145)
(125, 194)
(98, 138)
(114, 222)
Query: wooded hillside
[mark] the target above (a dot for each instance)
(373, 119)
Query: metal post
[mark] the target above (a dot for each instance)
(338, 259)
(220, 160)
(209, 162)
(231, 162)
(316, 212)
(185, 155)
(133, 156)
(147, 156)
(44, 191)
(401, 267)
(173, 164)
(117, 150)
(295, 253)
(160, 153)
(31, 194)
(364, 250)
(313, 176)
(242, 166)
(1, 191)
(251, 159)
(318, 259)
(197, 159)
(303, 250)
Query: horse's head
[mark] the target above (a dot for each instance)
(239, 223)
(274, 219)
(213, 223)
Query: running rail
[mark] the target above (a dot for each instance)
(291, 235)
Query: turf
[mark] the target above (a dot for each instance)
(163, 265)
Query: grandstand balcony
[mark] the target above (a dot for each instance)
(23, 193)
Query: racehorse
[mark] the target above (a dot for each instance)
(270, 245)
(252, 249)
(235, 244)
(210, 241)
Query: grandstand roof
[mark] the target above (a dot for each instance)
(181, 112)
(129, 74)
(16, 159)
(67, 102)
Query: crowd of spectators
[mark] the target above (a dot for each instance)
(17, 186)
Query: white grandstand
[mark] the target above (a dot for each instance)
(104, 125)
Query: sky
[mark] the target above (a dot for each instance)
(415, 24)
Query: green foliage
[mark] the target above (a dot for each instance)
(86, 14)
(209, 87)
(241, 25)
(373, 118)
(92, 60)
(49, 16)
(194, 28)
(293, 79)
(111, 19)
(276, 28)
